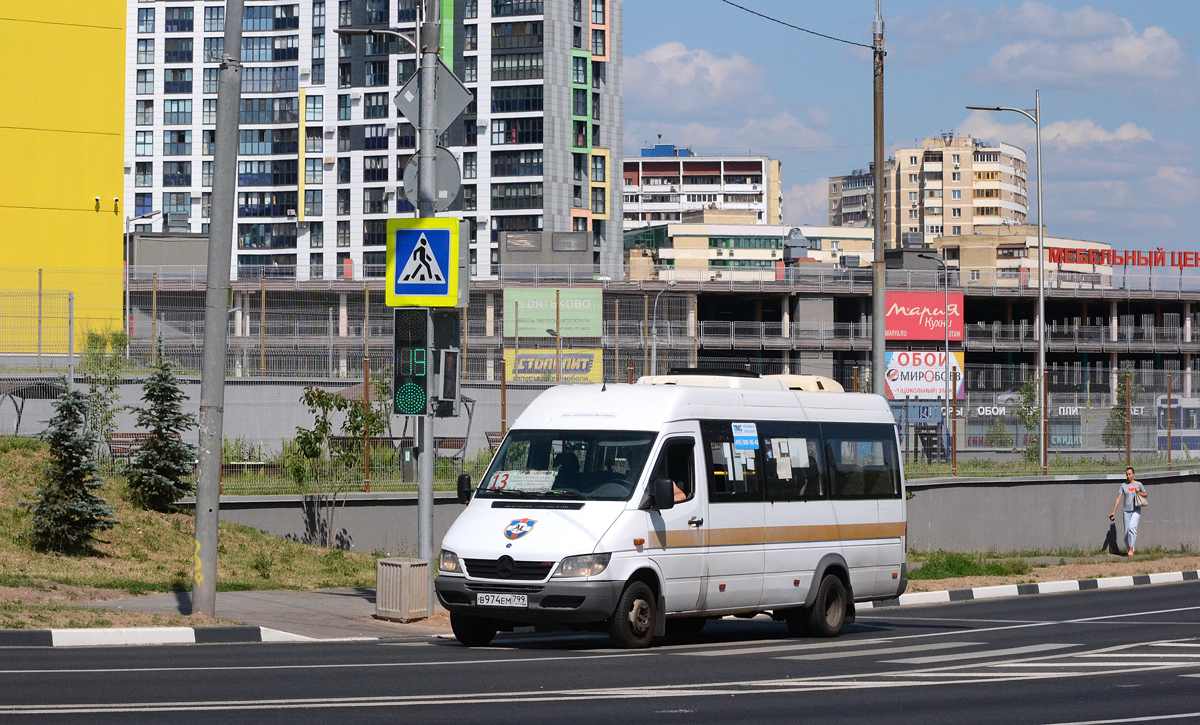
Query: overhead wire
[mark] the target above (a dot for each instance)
(797, 27)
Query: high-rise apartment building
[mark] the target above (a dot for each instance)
(949, 186)
(322, 148)
(668, 181)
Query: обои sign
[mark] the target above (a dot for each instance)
(922, 316)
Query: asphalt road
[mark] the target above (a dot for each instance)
(1126, 655)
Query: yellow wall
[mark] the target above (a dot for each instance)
(61, 146)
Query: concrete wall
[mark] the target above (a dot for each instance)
(364, 522)
(1066, 512)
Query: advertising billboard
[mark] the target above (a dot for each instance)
(530, 312)
(921, 316)
(921, 375)
(539, 366)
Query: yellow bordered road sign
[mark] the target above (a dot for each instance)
(422, 262)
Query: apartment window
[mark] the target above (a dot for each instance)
(375, 231)
(316, 235)
(257, 50)
(345, 46)
(912, 160)
(208, 142)
(933, 193)
(343, 170)
(579, 102)
(177, 143)
(177, 173)
(375, 168)
(316, 260)
(374, 202)
(987, 158)
(286, 47)
(145, 82)
(318, 46)
(314, 108)
(343, 202)
(579, 134)
(595, 134)
(312, 202)
(974, 275)
(599, 74)
(214, 20)
(987, 175)
(178, 20)
(987, 211)
(375, 105)
(598, 43)
(956, 213)
(344, 15)
(318, 14)
(506, 36)
(516, 7)
(343, 234)
(143, 173)
(377, 12)
(211, 76)
(517, 196)
(142, 204)
(933, 229)
(343, 75)
(405, 69)
(577, 10)
(177, 80)
(177, 202)
(377, 73)
(598, 205)
(469, 200)
(598, 12)
(578, 70)
(595, 106)
(145, 21)
(470, 37)
(266, 203)
(987, 193)
(598, 168)
(516, 130)
(214, 48)
(314, 139)
(690, 197)
(375, 137)
(314, 171)
(470, 69)
(260, 142)
(470, 165)
(914, 195)
(269, 110)
(177, 113)
(956, 176)
(914, 214)
(178, 50)
(206, 174)
(344, 107)
(956, 194)
(277, 79)
(517, 67)
(914, 178)
(267, 236)
(145, 50)
(144, 113)
(318, 71)
(516, 99)
(577, 37)
(471, 9)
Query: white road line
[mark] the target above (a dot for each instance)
(1144, 718)
(883, 651)
(1172, 655)
(1045, 647)
(1072, 663)
(1175, 644)
(959, 619)
(785, 648)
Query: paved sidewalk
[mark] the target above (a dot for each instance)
(322, 614)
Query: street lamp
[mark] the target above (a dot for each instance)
(128, 309)
(654, 328)
(392, 32)
(1035, 114)
(946, 314)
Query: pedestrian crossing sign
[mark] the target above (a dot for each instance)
(422, 262)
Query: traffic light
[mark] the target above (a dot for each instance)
(448, 376)
(410, 367)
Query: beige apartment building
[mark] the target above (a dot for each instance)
(949, 186)
(1007, 257)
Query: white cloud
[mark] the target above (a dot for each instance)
(1037, 19)
(1059, 134)
(807, 204)
(671, 80)
(740, 135)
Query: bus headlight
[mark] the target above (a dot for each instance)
(585, 565)
(449, 563)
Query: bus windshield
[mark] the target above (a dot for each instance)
(587, 465)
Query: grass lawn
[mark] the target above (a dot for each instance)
(152, 552)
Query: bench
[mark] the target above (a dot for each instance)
(124, 445)
(494, 437)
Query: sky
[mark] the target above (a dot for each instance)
(1120, 90)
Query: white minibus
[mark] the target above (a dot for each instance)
(645, 510)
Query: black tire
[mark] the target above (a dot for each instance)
(632, 624)
(828, 612)
(797, 621)
(685, 630)
(472, 631)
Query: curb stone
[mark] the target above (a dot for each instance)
(143, 635)
(1021, 590)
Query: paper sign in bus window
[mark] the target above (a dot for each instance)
(745, 437)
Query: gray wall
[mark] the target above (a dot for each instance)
(1066, 512)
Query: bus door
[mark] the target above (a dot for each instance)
(675, 537)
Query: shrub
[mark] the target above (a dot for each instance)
(157, 473)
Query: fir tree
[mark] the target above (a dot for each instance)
(68, 513)
(156, 475)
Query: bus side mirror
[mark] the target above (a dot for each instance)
(464, 489)
(662, 493)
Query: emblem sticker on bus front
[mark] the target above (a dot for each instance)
(518, 528)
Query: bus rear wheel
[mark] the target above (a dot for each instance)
(828, 612)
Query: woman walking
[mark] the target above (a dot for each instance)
(1134, 494)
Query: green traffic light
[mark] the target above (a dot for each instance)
(410, 399)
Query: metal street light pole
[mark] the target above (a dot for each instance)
(879, 301)
(128, 308)
(654, 328)
(1035, 114)
(946, 315)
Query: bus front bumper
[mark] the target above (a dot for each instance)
(553, 602)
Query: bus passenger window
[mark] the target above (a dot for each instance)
(792, 469)
(733, 472)
(862, 460)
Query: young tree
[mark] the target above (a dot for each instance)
(1030, 415)
(1114, 430)
(68, 513)
(156, 475)
(101, 364)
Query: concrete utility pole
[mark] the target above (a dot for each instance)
(216, 312)
(879, 302)
(429, 36)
